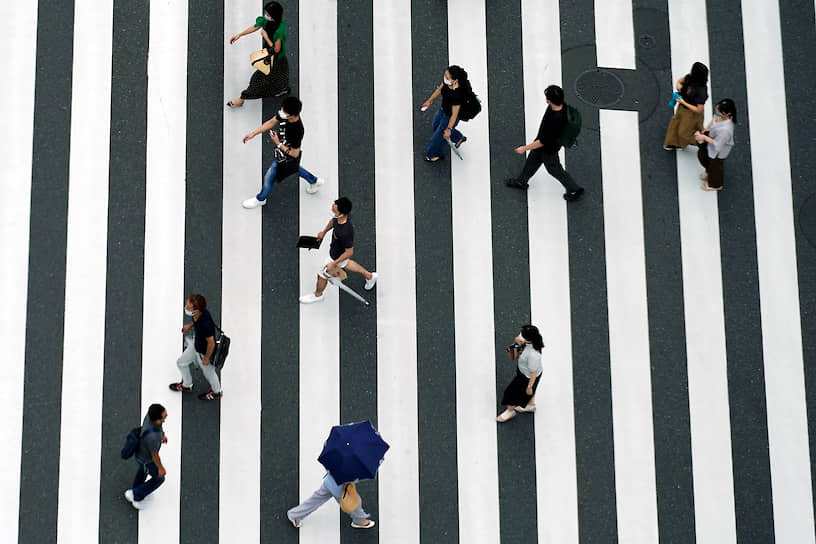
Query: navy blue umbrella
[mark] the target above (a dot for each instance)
(353, 452)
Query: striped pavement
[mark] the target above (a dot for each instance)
(680, 359)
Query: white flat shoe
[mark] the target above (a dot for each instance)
(129, 496)
(311, 298)
(312, 188)
(369, 525)
(506, 415)
(369, 284)
(253, 202)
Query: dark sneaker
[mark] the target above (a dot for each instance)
(513, 182)
(571, 197)
(209, 395)
(180, 387)
(460, 142)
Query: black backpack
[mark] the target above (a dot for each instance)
(132, 440)
(569, 136)
(471, 107)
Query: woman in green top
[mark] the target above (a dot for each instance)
(273, 31)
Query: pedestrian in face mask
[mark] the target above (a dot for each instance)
(716, 143)
(199, 345)
(287, 140)
(454, 90)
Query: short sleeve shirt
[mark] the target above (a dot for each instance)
(693, 94)
(291, 136)
(279, 34)
(530, 361)
(204, 328)
(342, 237)
(451, 98)
(150, 443)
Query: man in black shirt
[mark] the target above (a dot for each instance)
(340, 251)
(287, 142)
(544, 149)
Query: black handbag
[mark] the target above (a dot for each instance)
(222, 345)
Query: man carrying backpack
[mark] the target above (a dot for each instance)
(544, 149)
(151, 437)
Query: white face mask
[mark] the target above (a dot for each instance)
(447, 81)
(188, 312)
(282, 114)
(267, 17)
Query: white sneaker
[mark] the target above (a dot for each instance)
(311, 298)
(369, 284)
(129, 496)
(253, 202)
(368, 525)
(312, 188)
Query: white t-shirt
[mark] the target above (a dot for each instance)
(530, 361)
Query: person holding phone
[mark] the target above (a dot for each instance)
(526, 351)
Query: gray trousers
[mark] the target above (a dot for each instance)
(553, 165)
(190, 356)
(318, 498)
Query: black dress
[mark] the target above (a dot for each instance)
(277, 81)
(515, 394)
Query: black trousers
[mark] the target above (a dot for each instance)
(552, 163)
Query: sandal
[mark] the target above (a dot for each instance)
(231, 104)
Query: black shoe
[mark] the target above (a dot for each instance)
(180, 387)
(571, 197)
(513, 182)
(460, 142)
(209, 395)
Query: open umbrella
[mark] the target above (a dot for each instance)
(353, 452)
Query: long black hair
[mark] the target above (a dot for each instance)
(698, 75)
(458, 73)
(531, 334)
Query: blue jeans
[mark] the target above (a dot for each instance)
(269, 179)
(437, 145)
(142, 489)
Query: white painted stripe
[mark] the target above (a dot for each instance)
(319, 325)
(19, 42)
(556, 489)
(628, 328)
(778, 281)
(473, 291)
(396, 287)
(239, 511)
(706, 355)
(85, 274)
(615, 34)
(164, 251)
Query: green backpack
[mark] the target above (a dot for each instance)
(572, 129)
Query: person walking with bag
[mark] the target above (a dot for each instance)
(716, 143)
(275, 80)
(526, 351)
(544, 149)
(456, 92)
(345, 495)
(199, 348)
(151, 439)
(688, 117)
(287, 140)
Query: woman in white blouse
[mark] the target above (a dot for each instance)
(716, 143)
(527, 353)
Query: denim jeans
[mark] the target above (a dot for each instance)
(269, 179)
(142, 488)
(437, 145)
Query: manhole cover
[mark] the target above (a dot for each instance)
(599, 88)
(807, 219)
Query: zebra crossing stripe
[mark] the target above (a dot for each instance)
(473, 295)
(164, 252)
(396, 288)
(17, 109)
(703, 311)
(778, 286)
(614, 34)
(556, 494)
(240, 434)
(319, 326)
(85, 275)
